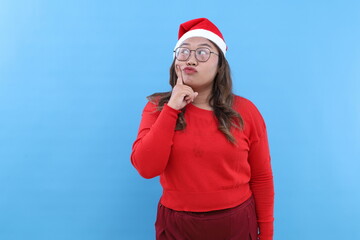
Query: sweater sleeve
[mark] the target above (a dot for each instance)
(261, 182)
(152, 147)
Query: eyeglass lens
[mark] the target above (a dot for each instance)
(201, 54)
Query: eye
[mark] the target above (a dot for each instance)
(184, 51)
(202, 52)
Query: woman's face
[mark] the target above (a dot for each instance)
(196, 74)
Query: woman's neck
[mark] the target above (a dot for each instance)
(203, 99)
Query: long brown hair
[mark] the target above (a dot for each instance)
(221, 99)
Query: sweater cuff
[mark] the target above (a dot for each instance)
(266, 230)
(170, 109)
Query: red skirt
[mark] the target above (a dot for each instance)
(237, 223)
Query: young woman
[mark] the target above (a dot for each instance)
(208, 146)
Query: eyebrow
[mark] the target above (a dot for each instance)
(202, 44)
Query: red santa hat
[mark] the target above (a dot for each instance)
(201, 27)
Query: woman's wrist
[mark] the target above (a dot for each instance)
(172, 107)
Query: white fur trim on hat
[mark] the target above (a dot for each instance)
(203, 33)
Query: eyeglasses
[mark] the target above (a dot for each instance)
(201, 54)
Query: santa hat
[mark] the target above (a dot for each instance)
(201, 27)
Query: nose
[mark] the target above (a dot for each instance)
(192, 61)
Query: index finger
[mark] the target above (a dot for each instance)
(179, 80)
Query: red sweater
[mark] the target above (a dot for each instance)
(199, 169)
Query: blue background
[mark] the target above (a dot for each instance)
(73, 80)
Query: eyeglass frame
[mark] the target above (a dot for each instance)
(195, 54)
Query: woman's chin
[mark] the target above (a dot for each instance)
(188, 81)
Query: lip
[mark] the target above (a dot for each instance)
(189, 70)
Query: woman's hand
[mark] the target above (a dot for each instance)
(181, 94)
